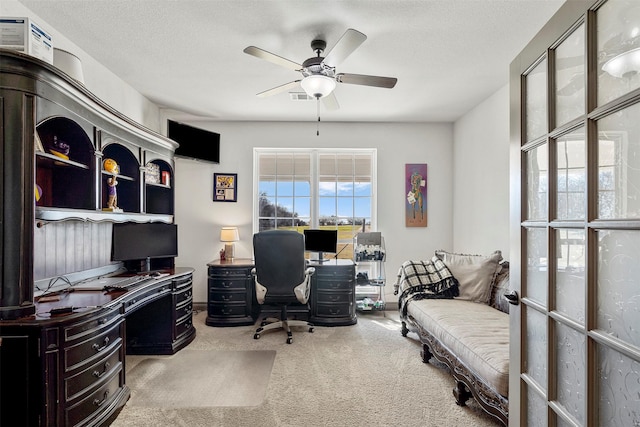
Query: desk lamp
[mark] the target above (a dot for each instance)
(229, 235)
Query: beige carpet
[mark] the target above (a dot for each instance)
(367, 374)
(201, 378)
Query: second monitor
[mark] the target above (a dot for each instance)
(321, 241)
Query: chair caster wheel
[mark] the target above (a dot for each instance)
(263, 323)
(256, 337)
(289, 340)
(311, 330)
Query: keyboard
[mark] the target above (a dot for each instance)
(128, 282)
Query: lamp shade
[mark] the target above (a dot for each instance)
(624, 64)
(318, 85)
(229, 234)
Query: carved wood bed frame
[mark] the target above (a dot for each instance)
(468, 384)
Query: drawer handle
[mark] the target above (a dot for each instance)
(187, 294)
(334, 298)
(227, 297)
(336, 311)
(188, 325)
(98, 402)
(97, 347)
(226, 284)
(99, 374)
(226, 311)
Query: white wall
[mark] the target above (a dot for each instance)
(97, 78)
(481, 177)
(199, 218)
(468, 177)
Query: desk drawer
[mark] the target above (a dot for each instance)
(82, 382)
(335, 297)
(183, 326)
(239, 309)
(93, 348)
(337, 272)
(91, 327)
(334, 310)
(184, 310)
(238, 295)
(228, 283)
(83, 411)
(328, 284)
(228, 272)
(183, 282)
(138, 298)
(182, 296)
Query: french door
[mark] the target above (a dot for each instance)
(575, 214)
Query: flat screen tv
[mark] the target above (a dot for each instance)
(320, 241)
(143, 241)
(194, 143)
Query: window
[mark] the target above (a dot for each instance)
(316, 188)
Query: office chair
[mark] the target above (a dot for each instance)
(281, 276)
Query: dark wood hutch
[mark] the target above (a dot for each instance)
(68, 368)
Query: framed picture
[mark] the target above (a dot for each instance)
(225, 187)
(415, 178)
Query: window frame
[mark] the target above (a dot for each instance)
(314, 179)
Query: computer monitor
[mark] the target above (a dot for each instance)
(143, 241)
(321, 241)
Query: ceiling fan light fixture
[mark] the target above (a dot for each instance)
(318, 85)
(625, 64)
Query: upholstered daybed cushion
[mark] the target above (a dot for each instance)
(477, 333)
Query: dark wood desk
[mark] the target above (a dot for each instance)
(232, 302)
(68, 369)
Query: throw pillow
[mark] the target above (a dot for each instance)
(475, 273)
(500, 287)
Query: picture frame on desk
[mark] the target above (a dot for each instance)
(225, 187)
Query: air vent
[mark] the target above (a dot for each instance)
(300, 96)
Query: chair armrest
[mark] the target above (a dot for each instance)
(303, 290)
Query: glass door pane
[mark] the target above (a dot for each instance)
(537, 183)
(618, 49)
(570, 77)
(571, 175)
(571, 280)
(536, 101)
(619, 164)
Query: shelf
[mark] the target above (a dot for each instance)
(124, 177)
(60, 161)
(60, 214)
(159, 185)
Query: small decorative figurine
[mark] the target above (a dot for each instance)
(112, 203)
(223, 255)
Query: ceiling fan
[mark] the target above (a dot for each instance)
(319, 73)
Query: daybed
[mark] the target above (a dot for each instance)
(456, 305)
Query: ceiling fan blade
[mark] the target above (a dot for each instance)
(279, 89)
(349, 42)
(331, 102)
(361, 79)
(268, 56)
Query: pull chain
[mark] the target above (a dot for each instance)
(318, 123)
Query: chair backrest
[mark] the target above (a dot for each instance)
(279, 260)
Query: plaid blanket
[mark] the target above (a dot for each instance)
(424, 279)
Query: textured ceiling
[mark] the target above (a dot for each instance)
(186, 55)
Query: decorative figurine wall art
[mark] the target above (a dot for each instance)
(416, 195)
